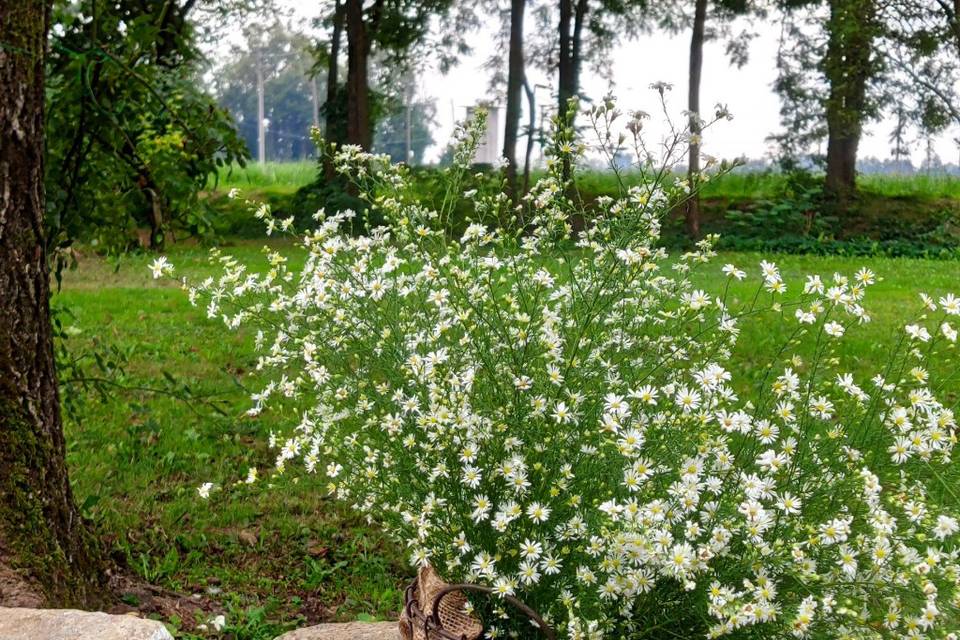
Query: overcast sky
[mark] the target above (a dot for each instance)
(635, 65)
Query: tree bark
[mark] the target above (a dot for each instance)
(515, 76)
(47, 555)
(693, 106)
(848, 68)
(359, 131)
(576, 44)
(566, 75)
(572, 19)
(333, 112)
(565, 79)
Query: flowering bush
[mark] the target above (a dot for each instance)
(554, 413)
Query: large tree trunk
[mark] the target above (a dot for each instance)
(568, 63)
(848, 67)
(47, 556)
(515, 75)
(359, 131)
(693, 106)
(576, 44)
(333, 112)
(841, 179)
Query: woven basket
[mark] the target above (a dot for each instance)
(436, 610)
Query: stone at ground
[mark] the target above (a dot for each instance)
(346, 631)
(66, 624)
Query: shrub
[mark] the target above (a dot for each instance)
(554, 414)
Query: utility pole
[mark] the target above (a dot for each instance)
(261, 130)
(408, 95)
(407, 156)
(316, 101)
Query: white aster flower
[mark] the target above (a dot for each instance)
(834, 329)
(161, 267)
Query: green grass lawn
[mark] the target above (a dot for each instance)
(275, 557)
(911, 216)
(750, 185)
(279, 556)
(287, 177)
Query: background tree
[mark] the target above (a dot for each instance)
(508, 79)
(923, 58)
(848, 65)
(289, 84)
(393, 33)
(692, 214)
(132, 135)
(586, 31)
(334, 107)
(898, 136)
(393, 28)
(842, 62)
(516, 77)
(705, 21)
(47, 554)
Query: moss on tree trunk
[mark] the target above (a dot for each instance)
(46, 550)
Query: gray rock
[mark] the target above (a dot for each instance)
(66, 624)
(346, 631)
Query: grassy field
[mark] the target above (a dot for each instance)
(276, 554)
(289, 176)
(271, 558)
(277, 176)
(757, 186)
(908, 216)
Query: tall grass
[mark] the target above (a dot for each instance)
(270, 175)
(746, 185)
(755, 185)
(290, 176)
(918, 185)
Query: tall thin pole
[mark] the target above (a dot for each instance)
(261, 130)
(316, 102)
(408, 158)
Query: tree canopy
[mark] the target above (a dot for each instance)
(132, 135)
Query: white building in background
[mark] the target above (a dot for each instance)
(489, 150)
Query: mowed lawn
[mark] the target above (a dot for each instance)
(276, 553)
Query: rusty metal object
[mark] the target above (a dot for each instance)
(447, 619)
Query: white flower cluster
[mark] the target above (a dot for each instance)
(556, 414)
